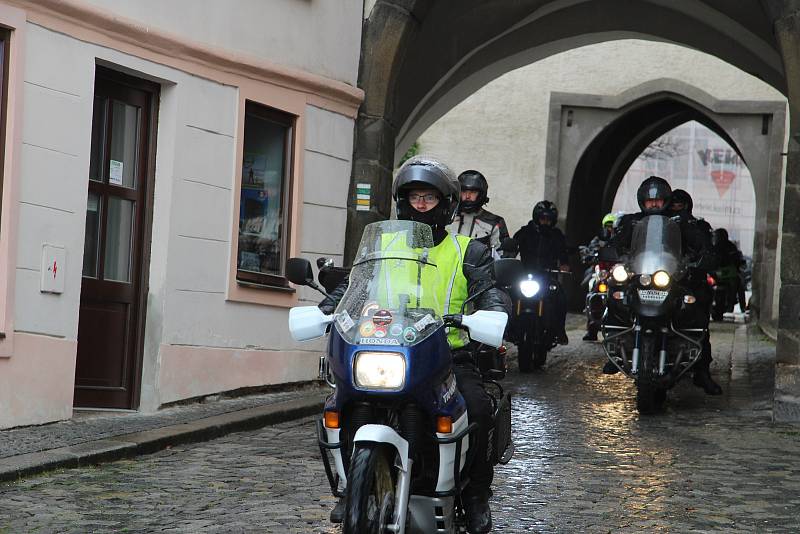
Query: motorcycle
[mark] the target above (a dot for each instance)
(531, 324)
(395, 434)
(596, 281)
(652, 330)
(725, 290)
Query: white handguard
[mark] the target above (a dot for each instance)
(486, 327)
(308, 322)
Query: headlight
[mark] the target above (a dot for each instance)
(380, 370)
(619, 273)
(528, 288)
(661, 279)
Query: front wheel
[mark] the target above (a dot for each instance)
(649, 397)
(525, 347)
(370, 491)
(539, 356)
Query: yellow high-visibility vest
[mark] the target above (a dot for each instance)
(450, 289)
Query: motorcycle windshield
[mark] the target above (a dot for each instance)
(391, 299)
(655, 245)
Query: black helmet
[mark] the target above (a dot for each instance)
(679, 196)
(720, 235)
(654, 187)
(423, 172)
(545, 208)
(473, 181)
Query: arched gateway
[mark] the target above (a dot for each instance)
(421, 57)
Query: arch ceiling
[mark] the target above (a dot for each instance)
(459, 46)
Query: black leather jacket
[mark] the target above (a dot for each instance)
(477, 269)
(541, 247)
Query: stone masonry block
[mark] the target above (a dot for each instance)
(376, 138)
(790, 259)
(791, 211)
(787, 349)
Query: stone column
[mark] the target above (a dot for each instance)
(787, 374)
(391, 23)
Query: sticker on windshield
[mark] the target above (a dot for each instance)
(380, 332)
(345, 321)
(366, 329)
(379, 341)
(425, 321)
(382, 318)
(409, 335)
(396, 330)
(369, 308)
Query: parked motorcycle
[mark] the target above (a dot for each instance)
(651, 331)
(395, 434)
(725, 290)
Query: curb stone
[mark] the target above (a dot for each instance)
(150, 441)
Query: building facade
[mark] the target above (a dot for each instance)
(161, 160)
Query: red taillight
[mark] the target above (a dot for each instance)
(710, 280)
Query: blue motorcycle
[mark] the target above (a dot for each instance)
(395, 433)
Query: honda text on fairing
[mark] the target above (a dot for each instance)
(395, 434)
(647, 332)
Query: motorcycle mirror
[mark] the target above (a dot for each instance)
(486, 327)
(298, 271)
(507, 271)
(308, 322)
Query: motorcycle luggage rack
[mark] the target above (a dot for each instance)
(324, 446)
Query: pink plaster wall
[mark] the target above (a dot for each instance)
(36, 385)
(187, 372)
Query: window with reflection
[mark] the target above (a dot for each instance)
(264, 196)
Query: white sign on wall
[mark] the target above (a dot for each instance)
(53, 265)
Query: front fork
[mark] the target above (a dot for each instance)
(637, 344)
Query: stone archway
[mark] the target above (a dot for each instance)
(593, 140)
(421, 57)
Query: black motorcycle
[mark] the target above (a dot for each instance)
(531, 326)
(653, 329)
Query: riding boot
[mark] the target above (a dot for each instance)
(337, 514)
(591, 333)
(561, 337)
(479, 515)
(702, 378)
(609, 368)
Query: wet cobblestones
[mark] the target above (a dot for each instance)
(585, 462)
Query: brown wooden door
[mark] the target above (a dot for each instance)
(110, 329)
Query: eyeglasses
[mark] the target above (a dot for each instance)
(427, 198)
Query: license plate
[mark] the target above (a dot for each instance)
(653, 295)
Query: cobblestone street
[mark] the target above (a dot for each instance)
(585, 462)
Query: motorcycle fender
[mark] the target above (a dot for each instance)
(384, 434)
(333, 437)
(447, 455)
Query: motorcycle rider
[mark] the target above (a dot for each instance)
(543, 246)
(654, 197)
(425, 190)
(599, 241)
(729, 255)
(473, 219)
